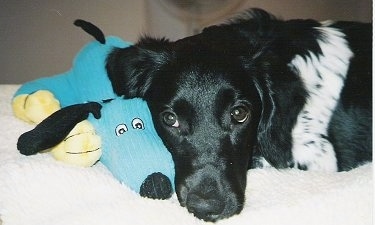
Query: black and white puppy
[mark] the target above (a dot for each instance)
(256, 90)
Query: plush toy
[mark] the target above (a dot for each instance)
(80, 119)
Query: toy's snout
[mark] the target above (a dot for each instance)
(133, 151)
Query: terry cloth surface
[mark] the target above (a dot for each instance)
(39, 190)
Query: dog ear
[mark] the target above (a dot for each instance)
(274, 43)
(56, 127)
(132, 69)
(283, 96)
(273, 141)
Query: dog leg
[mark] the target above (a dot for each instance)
(323, 75)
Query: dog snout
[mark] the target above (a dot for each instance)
(206, 205)
(209, 196)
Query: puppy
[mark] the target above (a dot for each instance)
(254, 91)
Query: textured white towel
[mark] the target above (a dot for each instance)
(39, 190)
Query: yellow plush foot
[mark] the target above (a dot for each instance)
(82, 146)
(34, 108)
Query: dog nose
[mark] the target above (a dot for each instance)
(206, 206)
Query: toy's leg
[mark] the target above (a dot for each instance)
(156, 186)
(35, 107)
(82, 146)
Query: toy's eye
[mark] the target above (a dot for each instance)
(170, 119)
(121, 129)
(138, 124)
(240, 114)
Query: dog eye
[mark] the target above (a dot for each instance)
(138, 124)
(240, 114)
(170, 119)
(121, 129)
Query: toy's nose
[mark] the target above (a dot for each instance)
(156, 186)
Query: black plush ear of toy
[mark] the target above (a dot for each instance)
(91, 29)
(56, 127)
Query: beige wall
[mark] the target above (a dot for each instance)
(161, 22)
(37, 37)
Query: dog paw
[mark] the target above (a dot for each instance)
(315, 154)
(259, 162)
(35, 107)
(82, 146)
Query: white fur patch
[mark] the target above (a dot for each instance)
(323, 76)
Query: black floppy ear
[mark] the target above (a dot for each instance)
(56, 127)
(132, 69)
(273, 141)
(280, 107)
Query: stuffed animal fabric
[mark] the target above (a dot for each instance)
(86, 81)
(131, 148)
(132, 151)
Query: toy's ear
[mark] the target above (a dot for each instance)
(91, 29)
(56, 127)
(132, 69)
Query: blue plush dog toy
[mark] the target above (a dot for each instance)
(80, 119)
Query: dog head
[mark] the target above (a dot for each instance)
(206, 111)
(212, 103)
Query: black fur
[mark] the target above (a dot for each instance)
(198, 87)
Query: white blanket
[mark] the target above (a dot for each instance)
(39, 190)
